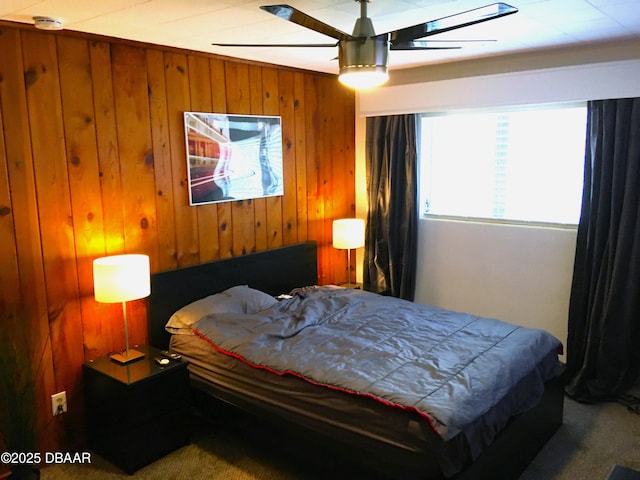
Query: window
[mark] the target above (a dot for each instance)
(524, 165)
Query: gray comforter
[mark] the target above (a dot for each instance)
(450, 368)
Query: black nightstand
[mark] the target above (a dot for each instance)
(136, 413)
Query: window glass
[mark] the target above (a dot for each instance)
(524, 165)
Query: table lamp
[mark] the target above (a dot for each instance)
(121, 278)
(348, 233)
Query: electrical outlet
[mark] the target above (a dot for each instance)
(59, 403)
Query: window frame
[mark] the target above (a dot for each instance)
(491, 220)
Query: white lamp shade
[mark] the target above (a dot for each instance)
(121, 278)
(348, 233)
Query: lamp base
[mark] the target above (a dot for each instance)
(127, 356)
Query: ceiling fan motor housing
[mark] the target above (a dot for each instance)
(370, 53)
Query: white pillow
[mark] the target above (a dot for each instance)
(238, 299)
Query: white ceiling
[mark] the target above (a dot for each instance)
(194, 24)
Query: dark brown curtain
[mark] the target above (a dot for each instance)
(603, 346)
(392, 222)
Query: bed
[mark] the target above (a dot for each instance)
(400, 437)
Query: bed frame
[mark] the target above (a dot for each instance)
(283, 269)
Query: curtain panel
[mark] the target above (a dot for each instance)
(603, 345)
(392, 220)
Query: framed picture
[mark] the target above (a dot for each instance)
(233, 157)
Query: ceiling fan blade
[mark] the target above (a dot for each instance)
(417, 45)
(323, 45)
(452, 22)
(291, 14)
(458, 40)
(434, 44)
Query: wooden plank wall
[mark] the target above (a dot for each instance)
(92, 163)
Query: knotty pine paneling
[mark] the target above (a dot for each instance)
(21, 263)
(92, 163)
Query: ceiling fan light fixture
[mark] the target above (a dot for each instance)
(362, 78)
(364, 62)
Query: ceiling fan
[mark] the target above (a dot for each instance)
(363, 56)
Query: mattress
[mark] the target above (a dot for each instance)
(354, 420)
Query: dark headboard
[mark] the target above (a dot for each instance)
(273, 271)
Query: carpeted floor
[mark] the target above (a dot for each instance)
(592, 440)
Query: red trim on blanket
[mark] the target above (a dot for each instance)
(319, 384)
